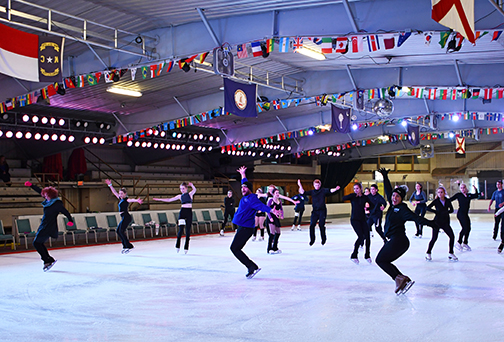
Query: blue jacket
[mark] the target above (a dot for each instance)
(245, 215)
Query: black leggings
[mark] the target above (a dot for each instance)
(498, 219)
(391, 251)
(299, 217)
(241, 237)
(121, 230)
(435, 232)
(465, 222)
(361, 228)
(227, 213)
(376, 220)
(38, 243)
(320, 216)
(186, 214)
(420, 211)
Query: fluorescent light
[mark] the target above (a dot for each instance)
(122, 91)
(311, 53)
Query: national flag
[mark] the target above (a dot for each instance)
(30, 57)
(298, 43)
(91, 79)
(284, 44)
(203, 56)
(340, 119)
(419, 93)
(256, 49)
(455, 14)
(499, 93)
(145, 71)
(69, 83)
(133, 73)
(480, 34)
(432, 93)
(402, 38)
(496, 35)
(414, 135)
(97, 75)
(107, 75)
(342, 45)
(316, 40)
(2, 108)
(79, 80)
(186, 60)
(241, 51)
(240, 99)
(270, 45)
(388, 41)
(153, 69)
(169, 66)
(443, 94)
(428, 38)
(326, 45)
(454, 94)
(356, 44)
(160, 68)
(373, 43)
(488, 92)
(475, 93)
(459, 145)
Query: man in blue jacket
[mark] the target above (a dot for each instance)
(245, 220)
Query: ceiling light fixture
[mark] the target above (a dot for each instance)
(311, 53)
(123, 91)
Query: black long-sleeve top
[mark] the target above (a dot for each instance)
(397, 215)
(464, 202)
(49, 224)
(318, 197)
(377, 201)
(229, 203)
(358, 205)
(422, 197)
(441, 210)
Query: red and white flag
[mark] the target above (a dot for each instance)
(459, 145)
(373, 43)
(457, 15)
(356, 44)
(30, 57)
(342, 45)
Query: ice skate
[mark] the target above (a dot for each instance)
(452, 257)
(261, 238)
(253, 238)
(278, 251)
(465, 247)
(355, 260)
(458, 246)
(178, 250)
(185, 251)
(48, 265)
(369, 260)
(126, 250)
(293, 227)
(222, 232)
(501, 246)
(251, 274)
(409, 283)
(428, 257)
(299, 227)
(400, 282)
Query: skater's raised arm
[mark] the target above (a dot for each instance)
(333, 190)
(109, 183)
(386, 183)
(175, 198)
(301, 190)
(289, 199)
(137, 200)
(34, 187)
(242, 170)
(408, 215)
(193, 191)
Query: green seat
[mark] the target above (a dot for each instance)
(198, 222)
(24, 230)
(72, 230)
(163, 222)
(59, 234)
(6, 237)
(208, 218)
(92, 227)
(135, 227)
(219, 215)
(149, 223)
(112, 224)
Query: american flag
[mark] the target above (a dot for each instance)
(242, 51)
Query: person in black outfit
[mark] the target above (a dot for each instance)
(49, 225)
(443, 210)
(260, 217)
(229, 210)
(4, 171)
(395, 232)
(126, 218)
(464, 199)
(319, 209)
(419, 200)
(299, 210)
(185, 214)
(376, 210)
(359, 222)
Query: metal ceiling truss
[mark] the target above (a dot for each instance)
(83, 33)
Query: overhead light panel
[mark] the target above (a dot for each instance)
(311, 53)
(123, 91)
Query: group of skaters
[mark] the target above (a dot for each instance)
(257, 210)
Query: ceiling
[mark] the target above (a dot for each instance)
(173, 30)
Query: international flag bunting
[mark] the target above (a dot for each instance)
(316, 40)
(388, 42)
(80, 81)
(298, 43)
(160, 68)
(488, 94)
(402, 38)
(145, 72)
(371, 94)
(499, 93)
(373, 43)
(69, 83)
(270, 45)
(326, 46)
(432, 93)
(356, 44)
(496, 35)
(457, 15)
(342, 45)
(284, 44)
(454, 94)
(443, 38)
(133, 73)
(443, 94)
(256, 49)
(169, 66)
(475, 93)
(153, 69)
(203, 56)
(91, 79)
(480, 34)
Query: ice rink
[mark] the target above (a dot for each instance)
(306, 293)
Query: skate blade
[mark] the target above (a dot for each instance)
(253, 274)
(406, 288)
(47, 268)
(126, 250)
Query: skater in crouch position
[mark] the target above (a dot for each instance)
(124, 201)
(443, 209)
(244, 219)
(419, 200)
(464, 199)
(319, 208)
(185, 214)
(229, 210)
(395, 232)
(49, 225)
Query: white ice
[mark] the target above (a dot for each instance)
(306, 293)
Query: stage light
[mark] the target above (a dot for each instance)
(455, 118)
(178, 147)
(26, 118)
(28, 135)
(179, 135)
(62, 137)
(222, 151)
(217, 139)
(61, 122)
(199, 148)
(229, 152)
(144, 144)
(173, 146)
(210, 148)
(37, 136)
(35, 119)
(253, 154)
(137, 143)
(338, 154)
(281, 155)
(1, 133)
(71, 138)
(162, 134)
(5, 116)
(149, 144)
(195, 137)
(354, 127)
(182, 147)
(45, 137)
(451, 135)
(94, 140)
(233, 153)
(129, 143)
(203, 149)
(162, 145)
(289, 148)
(101, 125)
(249, 153)
(78, 123)
(268, 155)
(329, 153)
(85, 124)
(19, 135)
(201, 136)
(52, 121)
(174, 134)
(168, 146)
(44, 120)
(102, 141)
(404, 123)
(9, 134)
(276, 156)
(87, 140)
(155, 146)
(108, 127)
(261, 154)
(211, 138)
(282, 148)
(191, 147)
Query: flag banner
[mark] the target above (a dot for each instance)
(30, 57)
(169, 66)
(496, 35)
(133, 73)
(388, 41)
(326, 46)
(256, 49)
(457, 15)
(298, 43)
(240, 99)
(241, 51)
(373, 43)
(459, 145)
(340, 119)
(356, 44)
(402, 38)
(284, 45)
(414, 135)
(342, 45)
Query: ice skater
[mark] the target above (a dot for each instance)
(260, 217)
(126, 218)
(395, 232)
(185, 214)
(464, 199)
(48, 225)
(274, 222)
(419, 200)
(376, 210)
(244, 219)
(319, 209)
(299, 210)
(229, 210)
(498, 197)
(443, 209)
(358, 221)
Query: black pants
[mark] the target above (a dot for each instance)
(435, 232)
(5, 177)
(465, 223)
(38, 243)
(320, 217)
(298, 218)
(186, 214)
(121, 230)
(420, 211)
(228, 212)
(377, 221)
(497, 220)
(361, 228)
(391, 251)
(241, 237)
(261, 228)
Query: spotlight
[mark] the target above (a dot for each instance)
(268, 155)
(19, 135)
(149, 144)
(204, 149)
(144, 144)
(102, 141)
(276, 156)
(233, 153)
(289, 148)
(137, 143)
(174, 134)
(191, 147)
(28, 135)
(354, 127)
(455, 118)
(129, 143)
(71, 138)
(404, 123)
(44, 120)
(26, 118)
(261, 154)
(77, 123)
(282, 148)
(182, 147)
(178, 147)
(451, 135)
(63, 137)
(281, 155)
(211, 138)
(1, 132)
(5, 116)
(85, 124)
(249, 153)
(253, 154)
(217, 139)
(168, 146)
(108, 127)
(311, 131)
(9, 134)
(201, 136)
(199, 148)
(94, 140)
(179, 135)
(210, 148)
(329, 153)
(45, 137)
(229, 152)
(173, 146)
(52, 121)
(162, 145)
(195, 137)
(222, 151)
(156, 132)
(101, 125)
(35, 119)
(156, 145)
(162, 134)
(61, 122)
(37, 136)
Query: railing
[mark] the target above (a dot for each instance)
(44, 179)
